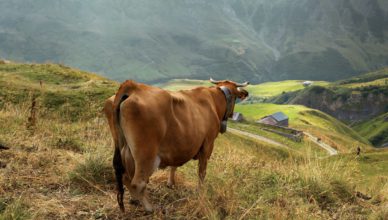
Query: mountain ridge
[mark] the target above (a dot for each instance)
(239, 40)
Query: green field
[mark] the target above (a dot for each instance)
(270, 89)
(375, 78)
(377, 82)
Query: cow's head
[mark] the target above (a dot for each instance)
(236, 90)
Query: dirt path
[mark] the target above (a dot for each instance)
(325, 146)
(314, 139)
(257, 137)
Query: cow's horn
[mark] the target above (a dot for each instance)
(214, 81)
(242, 84)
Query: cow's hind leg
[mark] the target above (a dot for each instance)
(127, 182)
(145, 164)
(171, 177)
(129, 165)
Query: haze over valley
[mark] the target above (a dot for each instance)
(153, 41)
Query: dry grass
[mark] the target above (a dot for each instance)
(45, 178)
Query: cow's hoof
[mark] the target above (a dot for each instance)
(148, 210)
(170, 185)
(148, 207)
(134, 202)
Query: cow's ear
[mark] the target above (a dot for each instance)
(242, 93)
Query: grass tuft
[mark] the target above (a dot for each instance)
(14, 210)
(95, 170)
(69, 143)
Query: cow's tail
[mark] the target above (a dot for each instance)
(121, 95)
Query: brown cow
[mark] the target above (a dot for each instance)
(153, 128)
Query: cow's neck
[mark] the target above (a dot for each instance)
(225, 106)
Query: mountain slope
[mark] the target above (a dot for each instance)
(240, 40)
(354, 100)
(375, 130)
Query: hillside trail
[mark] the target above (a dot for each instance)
(314, 139)
(257, 137)
(323, 145)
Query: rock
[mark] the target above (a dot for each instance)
(3, 147)
(2, 165)
(363, 196)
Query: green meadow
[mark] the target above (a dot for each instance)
(270, 89)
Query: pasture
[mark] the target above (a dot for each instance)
(270, 89)
(63, 170)
(59, 162)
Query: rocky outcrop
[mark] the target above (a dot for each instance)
(345, 104)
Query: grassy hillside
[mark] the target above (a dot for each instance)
(374, 167)
(58, 88)
(60, 167)
(318, 123)
(63, 170)
(270, 89)
(375, 130)
(375, 78)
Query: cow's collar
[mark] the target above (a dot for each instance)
(228, 97)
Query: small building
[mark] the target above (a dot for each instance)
(238, 117)
(278, 119)
(307, 83)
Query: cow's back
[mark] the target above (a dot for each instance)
(176, 122)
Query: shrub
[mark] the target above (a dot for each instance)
(317, 89)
